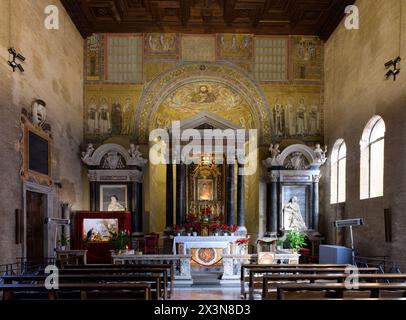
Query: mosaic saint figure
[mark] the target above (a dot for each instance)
(104, 118)
(127, 117)
(116, 118)
(278, 116)
(314, 119)
(92, 117)
(290, 118)
(301, 119)
(204, 96)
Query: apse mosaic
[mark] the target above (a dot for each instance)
(212, 97)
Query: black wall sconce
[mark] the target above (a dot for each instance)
(15, 56)
(395, 70)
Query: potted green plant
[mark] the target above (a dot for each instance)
(279, 244)
(119, 240)
(63, 242)
(296, 240)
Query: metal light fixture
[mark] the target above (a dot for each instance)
(395, 71)
(15, 56)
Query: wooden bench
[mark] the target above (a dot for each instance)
(168, 266)
(84, 289)
(265, 269)
(312, 278)
(162, 271)
(153, 279)
(339, 288)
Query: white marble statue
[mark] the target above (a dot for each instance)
(292, 216)
(321, 155)
(88, 153)
(274, 150)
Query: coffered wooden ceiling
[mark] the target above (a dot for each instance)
(274, 17)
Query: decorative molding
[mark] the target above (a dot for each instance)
(93, 157)
(115, 175)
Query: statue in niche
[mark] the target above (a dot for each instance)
(88, 153)
(135, 153)
(301, 119)
(290, 118)
(314, 119)
(127, 117)
(204, 96)
(104, 118)
(292, 217)
(116, 118)
(278, 116)
(321, 155)
(92, 117)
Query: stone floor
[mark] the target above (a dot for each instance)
(206, 286)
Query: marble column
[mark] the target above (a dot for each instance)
(169, 196)
(180, 194)
(316, 179)
(274, 203)
(268, 210)
(93, 196)
(241, 200)
(137, 223)
(230, 194)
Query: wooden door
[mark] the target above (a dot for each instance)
(35, 226)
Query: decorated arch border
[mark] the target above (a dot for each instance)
(159, 89)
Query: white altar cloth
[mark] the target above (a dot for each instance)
(196, 242)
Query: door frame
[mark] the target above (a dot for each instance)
(48, 205)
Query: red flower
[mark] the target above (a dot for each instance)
(240, 242)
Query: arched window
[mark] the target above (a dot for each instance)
(338, 172)
(372, 159)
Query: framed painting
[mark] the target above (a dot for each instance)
(100, 229)
(205, 189)
(295, 207)
(113, 198)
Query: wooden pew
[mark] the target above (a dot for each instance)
(153, 279)
(169, 266)
(339, 288)
(312, 278)
(163, 271)
(264, 269)
(83, 288)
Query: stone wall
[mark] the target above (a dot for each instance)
(355, 91)
(53, 73)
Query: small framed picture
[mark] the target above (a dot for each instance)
(113, 198)
(205, 189)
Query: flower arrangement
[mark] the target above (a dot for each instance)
(241, 242)
(120, 239)
(196, 227)
(243, 245)
(63, 241)
(232, 228)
